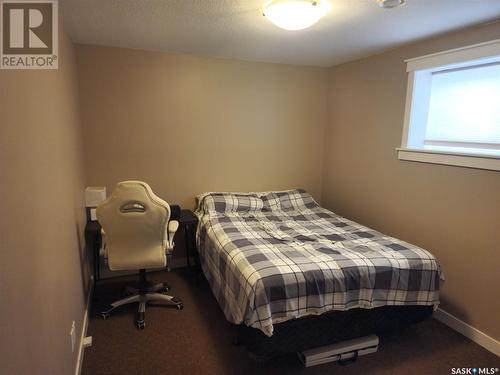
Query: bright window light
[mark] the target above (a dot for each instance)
(464, 110)
(452, 113)
(296, 14)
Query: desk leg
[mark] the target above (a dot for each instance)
(194, 251)
(98, 256)
(97, 275)
(187, 244)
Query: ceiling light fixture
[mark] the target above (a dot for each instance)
(295, 14)
(390, 3)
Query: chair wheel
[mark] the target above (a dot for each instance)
(105, 315)
(180, 306)
(165, 288)
(140, 320)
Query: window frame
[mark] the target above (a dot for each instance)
(419, 69)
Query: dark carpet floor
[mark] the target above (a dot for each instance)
(197, 340)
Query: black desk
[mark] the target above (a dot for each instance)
(187, 223)
(93, 244)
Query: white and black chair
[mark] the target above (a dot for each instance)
(138, 235)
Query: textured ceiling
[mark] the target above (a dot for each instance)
(236, 28)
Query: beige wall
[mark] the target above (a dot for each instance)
(452, 211)
(188, 124)
(42, 287)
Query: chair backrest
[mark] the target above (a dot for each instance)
(135, 222)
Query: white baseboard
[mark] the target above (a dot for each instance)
(83, 337)
(480, 338)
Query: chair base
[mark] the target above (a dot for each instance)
(156, 288)
(144, 295)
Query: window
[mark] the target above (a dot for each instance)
(453, 108)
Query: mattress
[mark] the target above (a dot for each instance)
(275, 256)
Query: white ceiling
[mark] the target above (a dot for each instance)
(236, 28)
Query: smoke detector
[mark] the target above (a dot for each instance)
(390, 3)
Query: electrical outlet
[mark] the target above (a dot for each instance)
(72, 334)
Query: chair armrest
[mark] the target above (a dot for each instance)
(103, 251)
(172, 227)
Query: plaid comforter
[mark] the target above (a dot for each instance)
(271, 257)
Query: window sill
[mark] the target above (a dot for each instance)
(447, 158)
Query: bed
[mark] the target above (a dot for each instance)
(274, 257)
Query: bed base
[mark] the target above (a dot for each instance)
(314, 331)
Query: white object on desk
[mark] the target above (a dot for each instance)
(94, 196)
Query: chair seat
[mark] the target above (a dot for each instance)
(134, 261)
